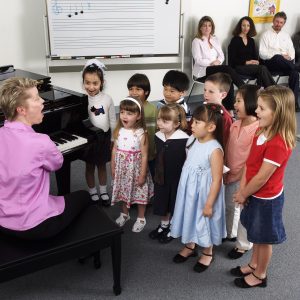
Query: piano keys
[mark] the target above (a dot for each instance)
(65, 141)
(65, 116)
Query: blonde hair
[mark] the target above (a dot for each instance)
(175, 113)
(131, 106)
(282, 102)
(13, 94)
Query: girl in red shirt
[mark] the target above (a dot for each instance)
(261, 187)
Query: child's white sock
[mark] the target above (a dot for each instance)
(103, 190)
(165, 224)
(94, 194)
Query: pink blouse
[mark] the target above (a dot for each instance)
(238, 148)
(26, 160)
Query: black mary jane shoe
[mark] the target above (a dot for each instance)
(157, 232)
(178, 258)
(238, 273)
(241, 282)
(165, 237)
(235, 253)
(199, 267)
(105, 202)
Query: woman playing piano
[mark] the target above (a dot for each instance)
(26, 160)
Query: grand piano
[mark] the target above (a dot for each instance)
(65, 121)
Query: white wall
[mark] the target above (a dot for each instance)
(23, 41)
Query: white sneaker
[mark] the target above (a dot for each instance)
(139, 225)
(123, 218)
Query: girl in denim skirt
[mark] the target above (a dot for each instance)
(261, 187)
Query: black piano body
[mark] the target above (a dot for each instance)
(64, 111)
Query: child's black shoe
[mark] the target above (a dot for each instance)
(155, 234)
(165, 236)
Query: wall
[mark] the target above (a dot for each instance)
(23, 40)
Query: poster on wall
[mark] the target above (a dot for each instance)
(263, 11)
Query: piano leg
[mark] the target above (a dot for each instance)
(63, 178)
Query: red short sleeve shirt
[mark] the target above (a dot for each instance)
(275, 152)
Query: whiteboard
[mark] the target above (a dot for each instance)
(106, 28)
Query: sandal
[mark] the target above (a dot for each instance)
(122, 219)
(178, 258)
(238, 273)
(199, 267)
(139, 225)
(236, 253)
(241, 282)
(106, 201)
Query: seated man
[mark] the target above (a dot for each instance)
(277, 52)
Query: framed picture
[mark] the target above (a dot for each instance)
(263, 11)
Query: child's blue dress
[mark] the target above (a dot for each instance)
(194, 186)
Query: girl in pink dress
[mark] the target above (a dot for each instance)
(132, 182)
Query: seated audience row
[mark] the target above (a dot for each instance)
(276, 55)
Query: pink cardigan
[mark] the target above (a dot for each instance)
(202, 54)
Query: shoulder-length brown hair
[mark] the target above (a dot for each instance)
(238, 28)
(200, 24)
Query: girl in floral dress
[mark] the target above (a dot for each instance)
(132, 182)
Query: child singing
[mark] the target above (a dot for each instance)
(261, 188)
(102, 115)
(199, 215)
(132, 183)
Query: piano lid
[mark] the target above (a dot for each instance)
(9, 71)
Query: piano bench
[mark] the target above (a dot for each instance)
(92, 231)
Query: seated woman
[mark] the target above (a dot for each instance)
(242, 54)
(208, 58)
(26, 160)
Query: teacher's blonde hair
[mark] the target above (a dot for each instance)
(13, 93)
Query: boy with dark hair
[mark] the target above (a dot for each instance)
(216, 88)
(175, 84)
(139, 86)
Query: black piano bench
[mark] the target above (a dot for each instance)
(92, 231)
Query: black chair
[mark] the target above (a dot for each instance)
(195, 81)
(92, 231)
(277, 76)
(248, 78)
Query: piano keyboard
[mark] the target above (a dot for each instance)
(66, 141)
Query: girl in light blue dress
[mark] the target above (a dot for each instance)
(199, 216)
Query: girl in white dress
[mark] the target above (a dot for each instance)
(132, 182)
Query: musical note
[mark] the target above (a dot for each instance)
(70, 14)
(167, 1)
(56, 8)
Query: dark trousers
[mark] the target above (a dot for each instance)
(261, 72)
(279, 64)
(228, 101)
(75, 203)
